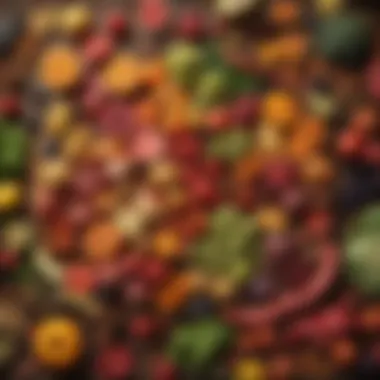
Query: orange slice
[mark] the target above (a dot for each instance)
(123, 74)
(60, 68)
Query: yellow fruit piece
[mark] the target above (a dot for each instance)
(272, 219)
(167, 243)
(249, 369)
(60, 68)
(329, 6)
(269, 139)
(57, 342)
(221, 288)
(123, 74)
(292, 48)
(268, 54)
(280, 109)
(162, 173)
(317, 169)
(77, 141)
(10, 195)
(176, 197)
(75, 18)
(58, 117)
(52, 172)
(177, 116)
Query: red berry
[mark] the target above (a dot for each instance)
(9, 105)
(191, 25)
(218, 119)
(203, 191)
(115, 362)
(79, 279)
(244, 110)
(350, 143)
(164, 370)
(142, 326)
(8, 260)
(131, 264)
(153, 14)
(185, 147)
(320, 224)
(98, 49)
(116, 23)
(154, 271)
(371, 153)
(94, 99)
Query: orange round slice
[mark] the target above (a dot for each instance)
(123, 74)
(60, 68)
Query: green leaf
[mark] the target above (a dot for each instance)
(192, 346)
(233, 244)
(13, 149)
(231, 145)
(212, 88)
(185, 62)
(223, 218)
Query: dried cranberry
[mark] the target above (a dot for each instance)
(115, 362)
(185, 147)
(164, 370)
(142, 326)
(98, 49)
(116, 24)
(244, 110)
(191, 25)
(9, 105)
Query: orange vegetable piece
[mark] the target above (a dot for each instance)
(102, 241)
(57, 342)
(148, 111)
(259, 338)
(167, 243)
(176, 116)
(60, 68)
(370, 318)
(280, 109)
(154, 72)
(292, 47)
(284, 11)
(301, 148)
(60, 237)
(312, 130)
(107, 148)
(343, 352)
(173, 295)
(317, 168)
(123, 74)
(247, 167)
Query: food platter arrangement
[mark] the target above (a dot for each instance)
(190, 190)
